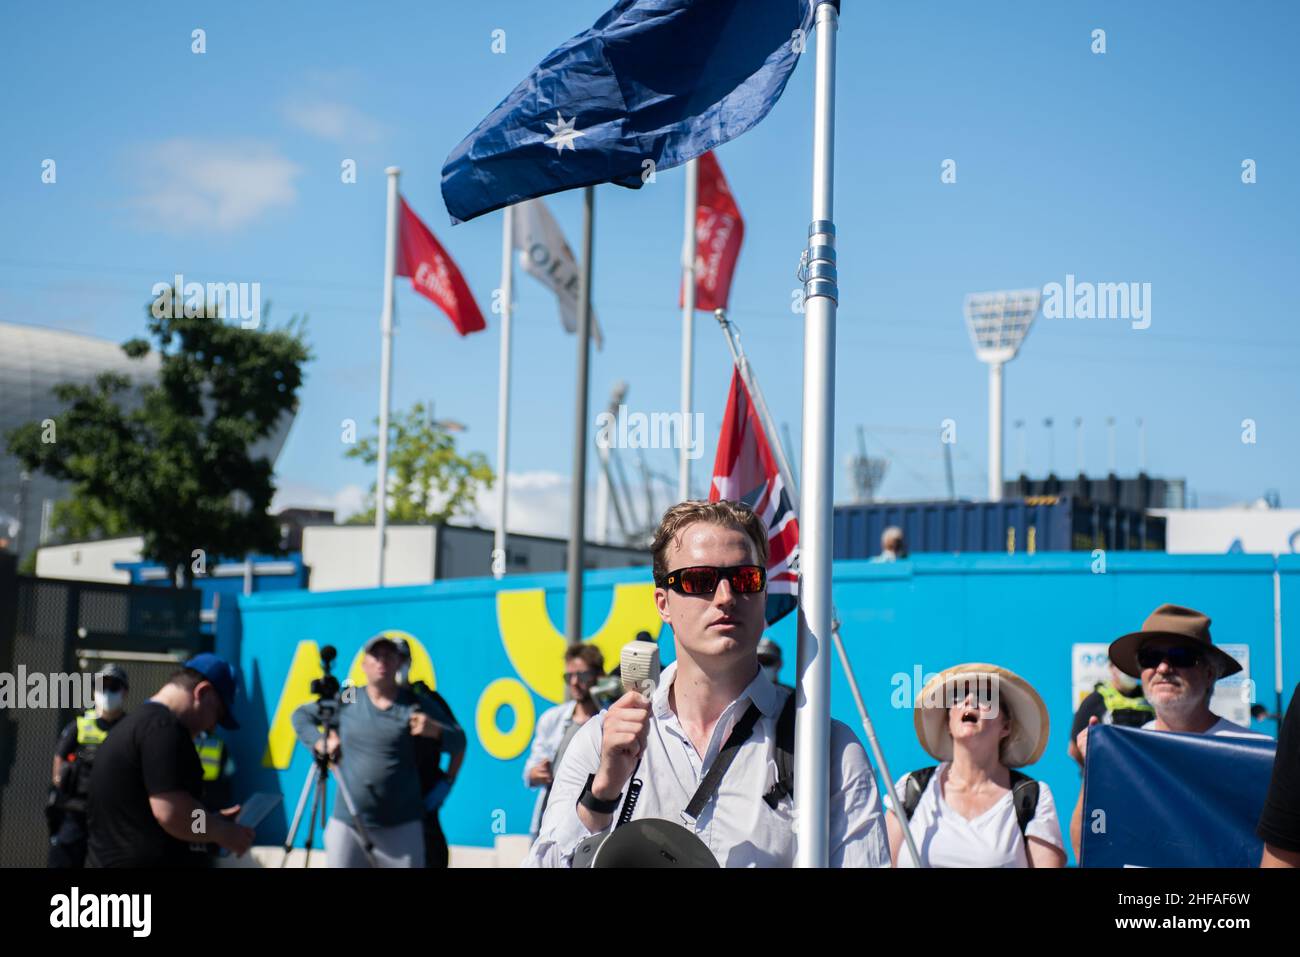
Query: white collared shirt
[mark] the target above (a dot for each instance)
(737, 825)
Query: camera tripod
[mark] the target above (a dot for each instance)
(316, 779)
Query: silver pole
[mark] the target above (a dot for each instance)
(783, 466)
(503, 390)
(578, 497)
(688, 329)
(1277, 641)
(386, 371)
(995, 431)
(821, 294)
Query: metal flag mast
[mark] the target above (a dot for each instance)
(821, 294)
(688, 328)
(578, 498)
(386, 369)
(503, 390)
(787, 479)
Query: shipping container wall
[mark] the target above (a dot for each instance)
(494, 650)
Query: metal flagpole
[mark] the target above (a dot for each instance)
(1277, 641)
(386, 370)
(578, 497)
(503, 390)
(821, 294)
(688, 328)
(783, 466)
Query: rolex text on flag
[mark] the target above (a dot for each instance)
(545, 255)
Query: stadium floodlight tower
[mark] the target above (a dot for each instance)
(998, 323)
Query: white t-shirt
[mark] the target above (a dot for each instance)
(1223, 727)
(946, 839)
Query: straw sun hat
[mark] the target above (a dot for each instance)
(1029, 721)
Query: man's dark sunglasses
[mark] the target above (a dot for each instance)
(583, 676)
(112, 684)
(1179, 656)
(703, 579)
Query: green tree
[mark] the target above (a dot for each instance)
(170, 460)
(428, 480)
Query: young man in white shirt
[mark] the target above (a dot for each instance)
(709, 566)
(1178, 664)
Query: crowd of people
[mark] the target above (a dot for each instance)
(709, 750)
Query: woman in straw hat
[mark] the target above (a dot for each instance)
(974, 810)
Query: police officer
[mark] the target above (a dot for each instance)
(1118, 701)
(74, 760)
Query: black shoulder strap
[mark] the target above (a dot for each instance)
(709, 786)
(784, 756)
(1024, 795)
(914, 787)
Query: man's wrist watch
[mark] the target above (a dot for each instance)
(594, 804)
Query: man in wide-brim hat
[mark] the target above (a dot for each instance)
(1178, 664)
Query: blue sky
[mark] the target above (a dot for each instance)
(1115, 167)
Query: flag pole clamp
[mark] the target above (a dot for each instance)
(817, 263)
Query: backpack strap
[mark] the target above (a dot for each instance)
(915, 785)
(1024, 795)
(739, 735)
(784, 757)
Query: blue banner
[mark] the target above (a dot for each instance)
(1160, 799)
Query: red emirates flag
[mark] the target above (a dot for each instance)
(433, 274)
(718, 234)
(745, 471)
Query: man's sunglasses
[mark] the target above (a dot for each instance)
(583, 676)
(1179, 656)
(703, 579)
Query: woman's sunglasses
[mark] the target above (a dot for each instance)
(1179, 656)
(703, 579)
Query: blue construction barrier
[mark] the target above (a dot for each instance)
(494, 651)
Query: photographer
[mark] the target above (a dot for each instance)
(375, 751)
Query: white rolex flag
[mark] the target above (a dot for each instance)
(545, 256)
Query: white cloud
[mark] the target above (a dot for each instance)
(217, 185)
(345, 501)
(332, 120)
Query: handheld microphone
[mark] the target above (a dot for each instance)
(638, 667)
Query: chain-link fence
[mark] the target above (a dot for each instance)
(50, 628)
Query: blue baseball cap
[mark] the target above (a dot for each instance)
(218, 671)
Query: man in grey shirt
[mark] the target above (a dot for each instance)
(375, 754)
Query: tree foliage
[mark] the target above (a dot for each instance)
(170, 460)
(428, 480)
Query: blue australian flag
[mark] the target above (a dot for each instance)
(652, 82)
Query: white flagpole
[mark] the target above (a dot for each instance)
(688, 329)
(821, 294)
(787, 479)
(386, 370)
(503, 390)
(578, 496)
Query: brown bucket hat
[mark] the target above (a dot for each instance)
(1171, 621)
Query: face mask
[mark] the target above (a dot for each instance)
(773, 672)
(108, 700)
(1125, 682)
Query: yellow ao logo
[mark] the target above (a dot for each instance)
(532, 643)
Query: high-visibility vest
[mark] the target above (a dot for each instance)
(212, 755)
(1116, 700)
(89, 733)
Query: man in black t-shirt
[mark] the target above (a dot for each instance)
(1279, 824)
(144, 797)
(1118, 701)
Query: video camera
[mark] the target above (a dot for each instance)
(326, 689)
